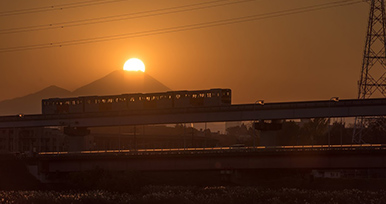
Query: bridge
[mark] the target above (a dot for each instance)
(242, 112)
(220, 159)
(44, 165)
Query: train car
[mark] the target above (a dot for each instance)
(49, 106)
(181, 99)
(62, 105)
(157, 101)
(75, 105)
(119, 102)
(202, 98)
(105, 103)
(137, 101)
(217, 97)
(91, 104)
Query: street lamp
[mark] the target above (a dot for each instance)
(258, 102)
(335, 99)
(332, 99)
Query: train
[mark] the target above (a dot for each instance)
(137, 101)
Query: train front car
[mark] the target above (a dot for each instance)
(218, 97)
(226, 97)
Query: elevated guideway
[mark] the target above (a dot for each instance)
(242, 112)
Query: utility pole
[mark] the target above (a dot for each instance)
(372, 83)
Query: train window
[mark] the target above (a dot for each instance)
(132, 99)
(73, 102)
(178, 96)
(148, 98)
(208, 95)
(67, 102)
(202, 95)
(194, 96)
(110, 100)
(186, 95)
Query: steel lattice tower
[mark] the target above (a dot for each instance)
(372, 81)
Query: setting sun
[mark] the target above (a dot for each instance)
(134, 64)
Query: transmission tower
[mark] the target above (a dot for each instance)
(372, 83)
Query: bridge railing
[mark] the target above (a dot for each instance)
(230, 149)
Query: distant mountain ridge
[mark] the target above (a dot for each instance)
(31, 104)
(117, 82)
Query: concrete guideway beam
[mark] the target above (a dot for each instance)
(243, 112)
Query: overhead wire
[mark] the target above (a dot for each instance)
(150, 13)
(263, 16)
(57, 7)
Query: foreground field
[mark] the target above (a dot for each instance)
(210, 195)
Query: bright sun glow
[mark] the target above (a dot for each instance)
(134, 64)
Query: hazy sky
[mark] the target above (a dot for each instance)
(279, 53)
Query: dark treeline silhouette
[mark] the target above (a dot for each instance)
(316, 131)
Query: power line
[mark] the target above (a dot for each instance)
(106, 19)
(57, 7)
(186, 27)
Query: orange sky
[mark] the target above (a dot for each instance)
(305, 56)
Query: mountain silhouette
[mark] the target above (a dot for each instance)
(31, 104)
(117, 82)
(120, 82)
